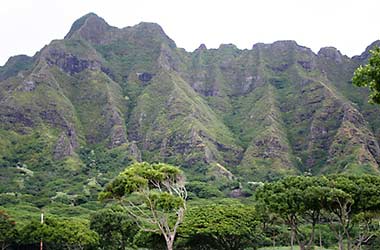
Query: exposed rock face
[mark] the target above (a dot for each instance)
(70, 63)
(354, 138)
(236, 193)
(12, 117)
(145, 77)
(118, 136)
(108, 72)
(134, 151)
(62, 148)
(331, 53)
(27, 86)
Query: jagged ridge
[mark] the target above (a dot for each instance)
(274, 110)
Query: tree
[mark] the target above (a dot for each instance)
(369, 76)
(352, 202)
(115, 228)
(7, 230)
(68, 234)
(153, 194)
(349, 204)
(368, 228)
(297, 200)
(232, 227)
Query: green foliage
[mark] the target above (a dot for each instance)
(8, 231)
(115, 228)
(158, 179)
(203, 190)
(345, 202)
(369, 76)
(59, 234)
(220, 227)
(14, 65)
(149, 240)
(153, 194)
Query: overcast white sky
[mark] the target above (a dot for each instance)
(27, 25)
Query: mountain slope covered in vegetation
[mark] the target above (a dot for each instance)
(82, 108)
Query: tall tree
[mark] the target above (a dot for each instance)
(352, 201)
(350, 205)
(297, 201)
(153, 194)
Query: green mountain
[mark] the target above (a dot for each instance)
(82, 108)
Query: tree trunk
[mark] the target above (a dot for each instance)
(292, 236)
(169, 245)
(348, 241)
(341, 245)
(310, 244)
(170, 241)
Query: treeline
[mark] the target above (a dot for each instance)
(348, 206)
(340, 212)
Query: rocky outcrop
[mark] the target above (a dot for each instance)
(134, 151)
(115, 122)
(70, 63)
(145, 76)
(27, 86)
(12, 118)
(331, 53)
(117, 136)
(63, 147)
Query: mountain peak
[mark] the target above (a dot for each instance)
(90, 27)
(227, 46)
(202, 47)
(284, 44)
(373, 45)
(150, 26)
(148, 30)
(367, 53)
(331, 53)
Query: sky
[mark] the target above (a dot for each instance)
(28, 25)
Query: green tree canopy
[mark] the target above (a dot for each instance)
(8, 230)
(66, 234)
(115, 227)
(221, 227)
(345, 202)
(369, 76)
(153, 194)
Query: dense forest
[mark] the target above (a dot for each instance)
(147, 206)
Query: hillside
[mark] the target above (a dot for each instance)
(76, 113)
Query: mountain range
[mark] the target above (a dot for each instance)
(83, 107)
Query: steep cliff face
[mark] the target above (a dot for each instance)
(258, 114)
